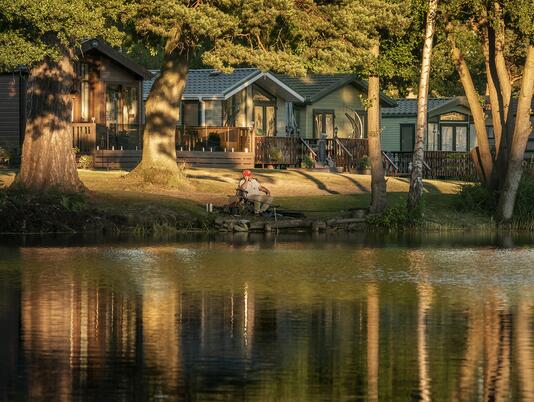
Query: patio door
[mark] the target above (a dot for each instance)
(122, 116)
(454, 138)
(264, 112)
(323, 123)
(265, 120)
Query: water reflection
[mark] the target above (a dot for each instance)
(294, 322)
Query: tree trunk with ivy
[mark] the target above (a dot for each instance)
(378, 181)
(158, 164)
(48, 158)
(416, 181)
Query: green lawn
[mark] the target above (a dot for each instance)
(317, 194)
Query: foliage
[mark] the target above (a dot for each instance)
(523, 210)
(85, 162)
(5, 156)
(307, 162)
(275, 154)
(51, 211)
(31, 30)
(363, 163)
(476, 198)
(395, 218)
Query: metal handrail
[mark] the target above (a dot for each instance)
(309, 148)
(344, 148)
(395, 167)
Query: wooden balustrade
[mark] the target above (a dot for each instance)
(84, 137)
(238, 139)
(286, 151)
(439, 164)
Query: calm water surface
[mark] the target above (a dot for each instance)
(279, 319)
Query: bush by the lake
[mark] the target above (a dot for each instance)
(395, 218)
(27, 212)
(477, 198)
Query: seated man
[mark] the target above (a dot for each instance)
(253, 190)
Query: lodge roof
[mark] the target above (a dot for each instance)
(316, 86)
(210, 83)
(436, 106)
(99, 45)
(408, 107)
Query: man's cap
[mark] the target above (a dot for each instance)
(247, 173)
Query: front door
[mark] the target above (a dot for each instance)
(407, 137)
(323, 123)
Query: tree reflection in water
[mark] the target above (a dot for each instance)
(293, 322)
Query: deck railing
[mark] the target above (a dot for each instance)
(238, 139)
(287, 151)
(438, 164)
(84, 137)
(119, 136)
(290, 151)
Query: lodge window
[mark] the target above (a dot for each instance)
(230, 110)
(84, 91)
(191, 113)
(121, 105)
(453, 116)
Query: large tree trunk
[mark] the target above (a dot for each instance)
(378, 182)
(158, 164)
(416, 181)
(479, 118)
(523, 128)
(500, 93)
(48, 158)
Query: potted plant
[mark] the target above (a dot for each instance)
(5, 157)
(275, 155)
(364, 167)
(307, 162)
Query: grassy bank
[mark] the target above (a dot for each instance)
(119, 205)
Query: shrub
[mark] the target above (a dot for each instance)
(5, 156)
(477, 198)
(363, 164)
(275, 154)
(524, 203)
(396, 217)
(25, 211)
(307, 162)
(85, 162)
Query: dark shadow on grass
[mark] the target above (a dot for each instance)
(207, 177)
(320, 185)
(428, 186)
(360, 186)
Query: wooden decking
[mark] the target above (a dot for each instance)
(237, 147)
(128, 159)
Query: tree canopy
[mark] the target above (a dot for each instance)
(31, 30)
